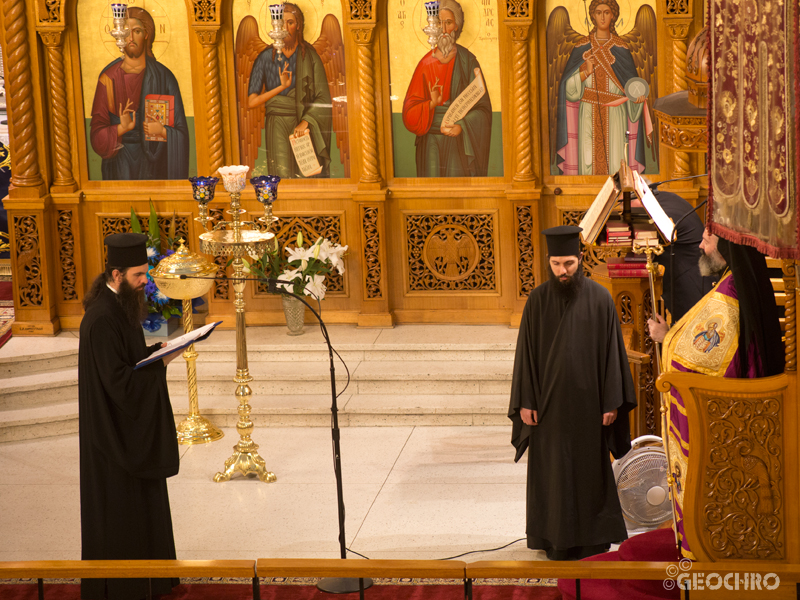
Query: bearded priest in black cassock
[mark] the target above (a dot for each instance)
(570, 397)
(128, 444)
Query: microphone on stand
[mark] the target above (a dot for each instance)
(654, 186)
(335, 585)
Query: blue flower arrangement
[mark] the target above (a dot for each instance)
(159, 307)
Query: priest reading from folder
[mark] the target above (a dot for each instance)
(570, 397)
(128, 444)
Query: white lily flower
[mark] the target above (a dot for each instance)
(300, 254)
(289, 275)
(316, 287)
(335, 253)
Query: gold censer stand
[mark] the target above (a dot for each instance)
(185, 275)
(195, 428)
(238, 243)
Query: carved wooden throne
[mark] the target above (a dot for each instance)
(742, 486)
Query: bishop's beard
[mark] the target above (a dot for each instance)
(711, 264)
(570, 287)
(446, 42)
(133, 303)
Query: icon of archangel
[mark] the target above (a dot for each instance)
(296, 96)
(601, 89)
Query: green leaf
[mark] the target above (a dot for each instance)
(136, 226)
(155, 234)
(171, 235)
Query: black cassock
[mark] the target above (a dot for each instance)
(128, 447)
(571, 366)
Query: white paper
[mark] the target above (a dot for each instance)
(653, 208)
(179, 343)
(466, 100)
(304, 154)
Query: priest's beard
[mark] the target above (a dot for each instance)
(570, 287)
(446, 42)
(711, 264)
(132, 302)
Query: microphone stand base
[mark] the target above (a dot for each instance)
(343, 585)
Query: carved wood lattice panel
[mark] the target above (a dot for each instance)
(592, 255)
(452, 252)
(29, 260)
(205, 11)
(312, 227)
(742, 491)
(361, 10)
(677, 7)
(525, 260)
(122, 224)
(372, 247)
(518, 9)
(66, 255)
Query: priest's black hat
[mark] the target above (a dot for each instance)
(563, 240)
(126, 250)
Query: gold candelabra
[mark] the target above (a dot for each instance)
(238, 242)
(184, 276)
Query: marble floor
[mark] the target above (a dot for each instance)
(410, 493)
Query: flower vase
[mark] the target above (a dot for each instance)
(164, 328)
(295, 312)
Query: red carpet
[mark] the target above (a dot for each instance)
(215, 591)
(657, 546)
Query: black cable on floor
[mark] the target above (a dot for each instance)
(459, 555)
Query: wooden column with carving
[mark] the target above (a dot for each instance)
(790, 313)
(678, 28)
(53, 40)
(28, 203)
(25, 171)
(523, 169)
(207, 36)
(363, 34)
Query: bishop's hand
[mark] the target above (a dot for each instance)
(658, 328)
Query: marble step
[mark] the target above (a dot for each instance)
(39, 389)
(286, 411)
(38, 422)
(405, 378)
(15, 366)
(366, 377)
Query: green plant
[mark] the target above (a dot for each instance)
(159, 307)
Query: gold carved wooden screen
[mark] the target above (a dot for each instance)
(442, 223)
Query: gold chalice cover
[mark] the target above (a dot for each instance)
(198, 272)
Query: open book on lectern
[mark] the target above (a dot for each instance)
(595, 219)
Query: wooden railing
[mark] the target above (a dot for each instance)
(789, 574)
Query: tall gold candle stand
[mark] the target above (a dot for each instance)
(238, 242)
(185, 275)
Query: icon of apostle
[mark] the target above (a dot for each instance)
(138, 124)
(294, 92)
(460, 149)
